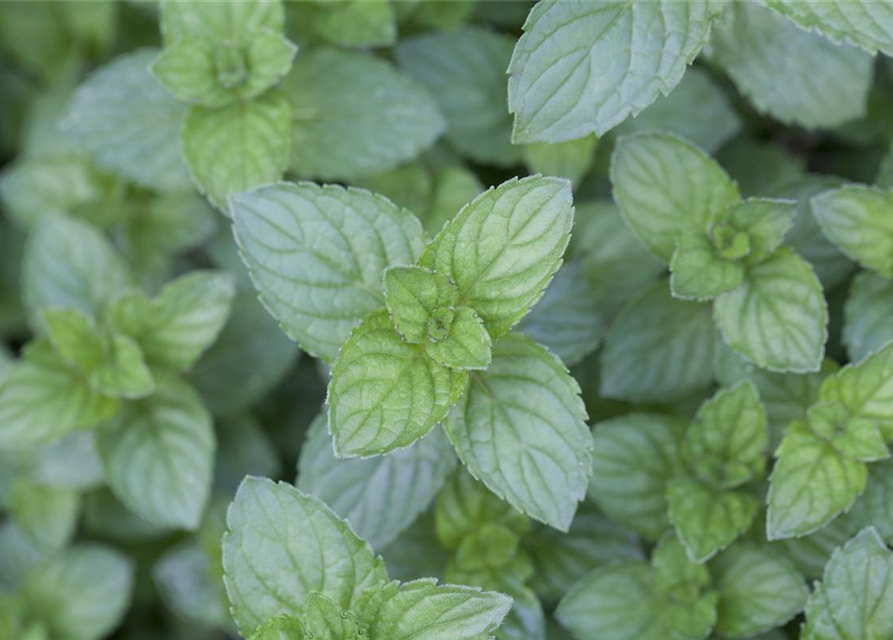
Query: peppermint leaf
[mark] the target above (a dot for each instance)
(778, 318)
(46, 515)
(384, 393)
(228, 20)
(634, 458)
(526, 408)
(665, 187)
(868, 25)
(852, 600)
(129, 124)
(871, 507)
(571, 159)
(466, 343)
(413, 295)
(223, 163)
(758, 590)
(158, 455)
(503, 247)
(281, 545)
(865, 314)
(698, 273)
(317, 255)
(856, 219)
(748, 41)
(324, 618)
(342, 101)
(381, 496)
(557, 93)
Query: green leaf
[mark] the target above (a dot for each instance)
(503, 248)
(749, 41)
(758, 590)
(853, 436)
(466, 343)
(865, 315)
(413, 295)
(249, 335)
(358, 23)
(871, 509)
(280, 545)
(852, 602)
(697, 109)
(865, 389)
(342, 101)
(381, 496)
(385, 394)
(666, 186)
(810, 485)
(465, 71)
(424, 609)
(81, 593)
(635, 457)
(868, 25)
(778, 318)
(129, 124)
(216, 74)
(556, 90)
(571, 159)
(158, 455)
(123, 373)
(811, 553)
(47, 515)
(187, 585)
(697, 272)
(765, 221)
(708, 519)
(521, 429)
(181, 322)
(569, 320)
(68, 263)
(856, 218)
(42, 398)
(317, 255)
(323, 618)
(75, 337)
(726, 444)
(279, 628)
(234, 148)
(658, 348)
(228, 20)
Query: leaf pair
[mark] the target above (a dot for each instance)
(769, 304)
(305, 572)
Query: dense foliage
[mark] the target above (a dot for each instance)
(446, 320)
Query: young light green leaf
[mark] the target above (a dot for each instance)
(47, 515)
(317, 255)
(749, 40)
(342, 101)
(698, 272)
(42, 398)
(123, 372)
(324, 619)
(696, 109)
(223, 163)
(385, 394)
(635, 457)
(555, 89)
(158, 455)
(279, 628)
(381, 496)
(810, 485)
(129, 124)
(853, 600)
(249, 335)
(181, 322)
(75, 337)
(527, 409)
(358, 23)
(82, 592)
(865, 315)
(465, 343)
(424, 609)
(68, 263)
(465, 71)
(282, 544)
(707, 519)
(765, 222)
(569, 319)
(418, 300)
(503, 247)
(229, 20)
(571, 159)
(758, 590)
(857, 219)
(866, 24)
(855, 437)
(778, 318)
(666, 186)
(658, 348)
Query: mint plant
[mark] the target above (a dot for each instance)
(378, 320)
